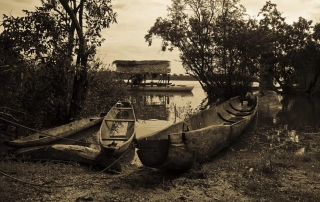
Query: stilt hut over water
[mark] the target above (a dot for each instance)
(155, 71)
(150, 75)
(138, 72)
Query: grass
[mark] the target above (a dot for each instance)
(234, 174)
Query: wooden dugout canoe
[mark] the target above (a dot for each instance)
(71, 131)
(204, 134)
(75, 153)
(117, 129)
(71, 153)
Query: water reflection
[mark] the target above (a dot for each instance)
(150, 107)
(291, 123)
(283, 122)
(157, 110)
(300, 113)
(155, 105)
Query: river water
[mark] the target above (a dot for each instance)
(156, 110)
(289, 122)
(292, 125)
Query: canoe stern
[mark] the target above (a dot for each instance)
(152, 153)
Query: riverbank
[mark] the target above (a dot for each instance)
(250, 169)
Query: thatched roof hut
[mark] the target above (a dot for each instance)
(143, 66)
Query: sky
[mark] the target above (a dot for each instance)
(125, 40)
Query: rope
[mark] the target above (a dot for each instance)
(6, 108)
(48, 134)
(256, 123)
(9, 115)
(67, 185)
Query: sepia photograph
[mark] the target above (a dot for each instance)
(159, 100)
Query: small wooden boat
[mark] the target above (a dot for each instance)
(117, 129)
(72, 131)
(168, 93)
(163, 88)
(71, 153)
(75, 153)
(204, 134)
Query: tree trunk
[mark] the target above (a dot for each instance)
(312, 84)
(79, 91)
(80, 78)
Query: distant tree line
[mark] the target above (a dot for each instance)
(182, 77)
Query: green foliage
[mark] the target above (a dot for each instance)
(284, 43)
(105, 89)
(207, 35)
(225, 50)
(44, 59)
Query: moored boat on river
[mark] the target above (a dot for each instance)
(117, 129)
(162, 88)
(204, 134)
(63, 134)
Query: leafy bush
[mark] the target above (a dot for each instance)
(105, 89)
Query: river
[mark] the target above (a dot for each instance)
(293, 124)
(285, 121)
(156, 110)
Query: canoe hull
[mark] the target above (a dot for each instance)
(60, 152)
(118, 150)
(195, 140)
(73, 131)
(72, 153)
(117, 130)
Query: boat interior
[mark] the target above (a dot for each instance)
(226, 113)
(118, 125)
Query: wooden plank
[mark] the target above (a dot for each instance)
(115, 138)
(239, 113)
(236, 119)
(243, 110)
(226, 120)
(118, 135)
(95, 118)
(121, 120)
(125, 108)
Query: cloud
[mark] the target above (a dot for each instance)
(119, 6)
(15, 7)
(21, 1)
(290, 9)
(316, 13)
(125, 40)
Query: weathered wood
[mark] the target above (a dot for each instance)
(123, 108)
(60, 152)
(74, 153)
(115, 138)
(116, 123)
(164, 88)
(81, 127)
(120, 120)
(204, 134)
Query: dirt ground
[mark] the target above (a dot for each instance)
(250, 169)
